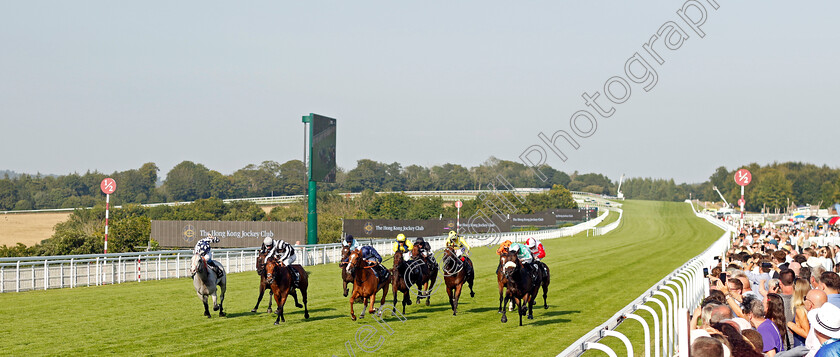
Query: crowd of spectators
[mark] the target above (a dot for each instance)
(771, 294)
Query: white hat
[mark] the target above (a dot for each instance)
(268, 241)
(813, 262)
(513, 248)
(827, 320)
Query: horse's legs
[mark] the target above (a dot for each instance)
(303, 294)
(206, 308)
(450, 292)
(545, 295)
(430, 285)
(280, 305)
(215, 301)
(345, 287)
(519, 308)
(503, 311)
(270, 300)
(531, 306)
(384, 296)
(223, 287)
(259, 298)
(352, 312)
(470, 281)
(457, 297)
(293, 292)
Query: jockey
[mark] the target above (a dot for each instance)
(425, 250)
(370, 254)
(461, 248)
(458, 244)
(202, 248)
(536, 248)
(403, 245)
(522, 252)
(351, 242)
(503, 248)
(283, 253)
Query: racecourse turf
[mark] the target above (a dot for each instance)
(592, 277)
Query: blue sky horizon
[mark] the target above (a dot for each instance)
(106, 87)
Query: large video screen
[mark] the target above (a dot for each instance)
(323, 148)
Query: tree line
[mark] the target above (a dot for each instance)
(778, 185)
(130, 225)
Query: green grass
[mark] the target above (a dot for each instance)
(612, 217)
(592, 279)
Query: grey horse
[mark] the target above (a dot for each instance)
(205, 282)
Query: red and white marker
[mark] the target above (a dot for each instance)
(743, 178)
(108, 186)
(458, 205)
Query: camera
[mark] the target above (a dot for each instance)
(705, 272)
(722, 277)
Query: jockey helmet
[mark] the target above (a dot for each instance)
(400, 237)
(514, 248)
(506, 244)
(348, 239)
(531, 243)
(268, 242)
(452, 235)
(419, 240)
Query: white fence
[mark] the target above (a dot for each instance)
(681, 290)
(37, 273)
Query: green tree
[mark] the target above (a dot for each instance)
(772, 189)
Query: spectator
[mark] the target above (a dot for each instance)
(826, 324)
(816, 276)
(799, 324)
(814, 301)
(830, 283)
(770, 336)
(706, 347)
(733, 289)
(775, 311)
(738, 344)
(754, 338)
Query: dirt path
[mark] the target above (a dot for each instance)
(28, 228)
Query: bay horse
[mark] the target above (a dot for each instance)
(428, 274)
(263, 282)
(205, 282)
(521, 286)
(280, 280)
(405, 275)
(455, 275)
(345, 276)
(365, 283)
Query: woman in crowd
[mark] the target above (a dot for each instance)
(800, 325)
(775, 307)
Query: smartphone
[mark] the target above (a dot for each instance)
(705, 272)
(766, 265)
(722, 277)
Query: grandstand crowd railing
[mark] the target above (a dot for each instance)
(675, 294)
(70, 271)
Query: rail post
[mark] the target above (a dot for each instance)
(655, 327)
(665, 319)
(46, 274)
(17, 277)
(645, 328)
(621, 337)
(600, 347)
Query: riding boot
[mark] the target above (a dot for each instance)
(219, 272)
(296, 276)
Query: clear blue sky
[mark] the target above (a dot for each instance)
(103, 85)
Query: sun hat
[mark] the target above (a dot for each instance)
(827, 321)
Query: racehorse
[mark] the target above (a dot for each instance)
(263, 282)
(280, 280)
(455, 275)
(205, 282)
(521, 286)
(428, 274)
(345, 276)
(404, 276)
(365, 283)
